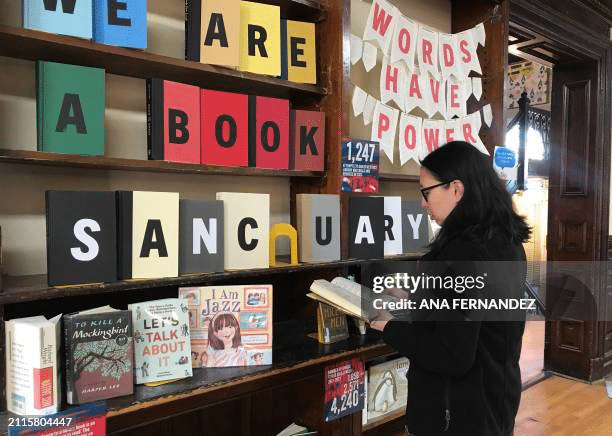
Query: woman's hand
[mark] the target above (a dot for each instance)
(379, 324)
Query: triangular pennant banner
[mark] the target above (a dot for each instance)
(370, 53)
(427, 51)
(359, 100)
(384, 125)
(356, 49)
(404, 42)
(368, 109)
(448, 54)
(410, 132)
(380, 24)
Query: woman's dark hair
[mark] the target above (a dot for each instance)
(485, 209)
(218, 322)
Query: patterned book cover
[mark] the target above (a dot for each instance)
(162, 349)
(387, 388)
(99, 355)
(230, 325)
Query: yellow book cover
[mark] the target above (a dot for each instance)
(301, 52)
(220, 32)
(260, 39)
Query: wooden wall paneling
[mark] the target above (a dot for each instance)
(493, 59)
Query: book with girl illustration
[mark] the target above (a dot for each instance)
(230, 325)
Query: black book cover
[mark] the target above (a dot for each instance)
(99, 355)
(193, 24)
(155, 119)
(366, 227)
(252, 130)
(81, 237)
(283, 47)
(124, 233)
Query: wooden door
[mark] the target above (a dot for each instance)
(574, 230)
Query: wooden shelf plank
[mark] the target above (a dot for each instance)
(23, 289)
(34, 45)
(111, 163)
(396, 415)
(399, 177)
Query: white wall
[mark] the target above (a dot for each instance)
(22, 187)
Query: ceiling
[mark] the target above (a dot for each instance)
(524, 44)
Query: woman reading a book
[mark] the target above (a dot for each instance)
(464, 376)
(224, 342)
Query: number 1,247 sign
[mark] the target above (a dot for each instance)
(344, 389)
(360, 160)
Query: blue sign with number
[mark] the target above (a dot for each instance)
(360, 164)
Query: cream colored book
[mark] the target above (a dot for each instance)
(345, 295)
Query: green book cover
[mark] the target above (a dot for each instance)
(70, 102)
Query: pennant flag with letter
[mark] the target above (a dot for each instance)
(432, 136)
(467, 56)
(427, 51)
(456, 101)
(383, 128)
(403, 44)
(410, 132)
(448, 56)
(379, 26)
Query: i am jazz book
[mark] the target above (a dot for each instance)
(230, 325)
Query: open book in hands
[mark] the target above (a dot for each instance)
(350, 297)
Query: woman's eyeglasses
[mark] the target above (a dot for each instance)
(425, 191)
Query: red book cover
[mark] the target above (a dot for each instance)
(43, 387)
(224, 118)
(307, 140)
(268, 132)
(182, 122)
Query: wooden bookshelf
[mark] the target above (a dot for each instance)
(153, 166)
(33, 288)
(34, 45)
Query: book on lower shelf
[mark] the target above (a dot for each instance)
(387, 389)
(230, 325)
(345, 295)
(99, 354)
(32, 372)
(294, 429)
(162, 346)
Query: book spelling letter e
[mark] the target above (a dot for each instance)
(148, 234)
(70, 108)
(120, 22)
(66, 17)
(81, 237)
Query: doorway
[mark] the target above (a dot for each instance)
(578, 169)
